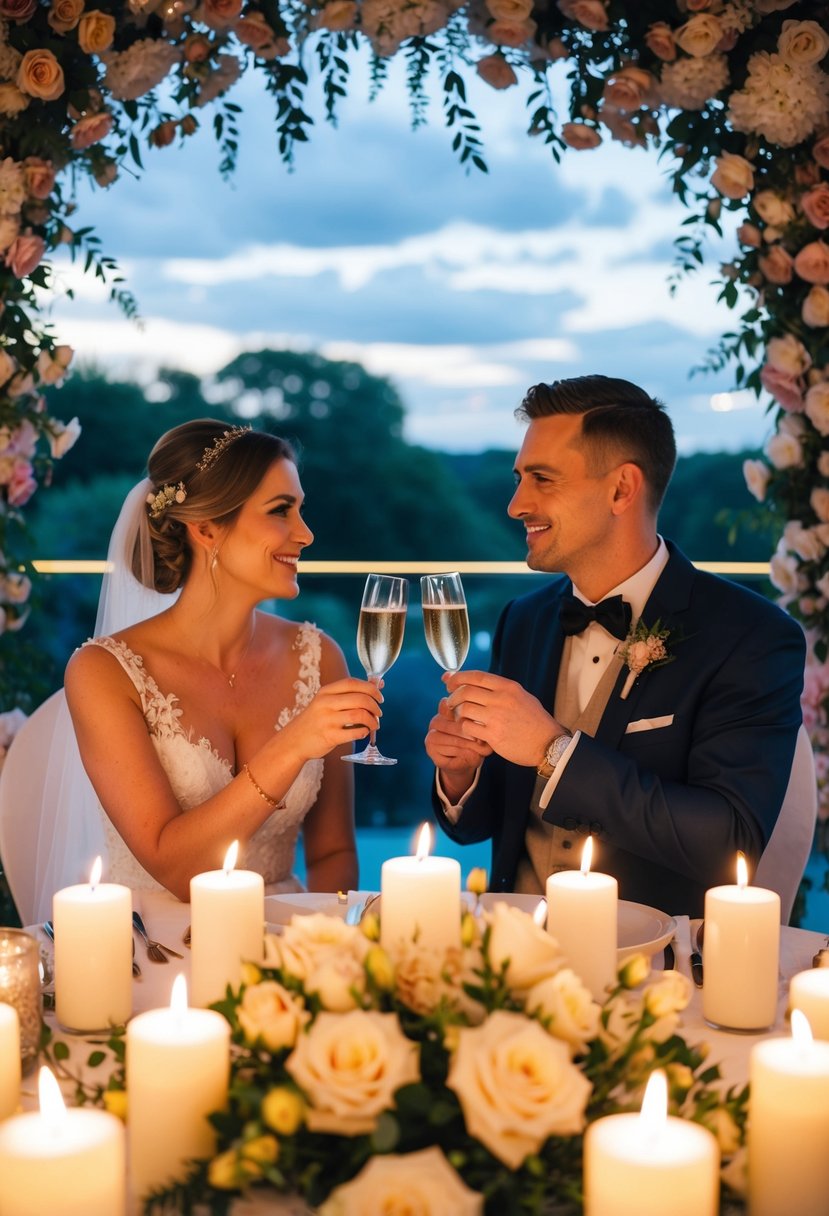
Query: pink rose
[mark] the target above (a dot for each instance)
(786, 389)
(17, 10)
(820, 149)
(776, 265)
(815, 310)
(749, 234)
(815, 204)
(497, 73)
(510, 33)
(580, 136)
(90, 129)
(589, 13)
(221, 13)
(638, 656)
(22, 484)
(39, 176)
(812, 263)
(254, 31)
(659, 40)
(807, 174)
(25, 254)
(627, 89)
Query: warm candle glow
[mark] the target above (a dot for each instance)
(97, 871)
(587, 855)
(230, 857)
(801, 1030)
(540, 914)
(52, 1105)
(178, 995)
(424, 842)
(742, 871)
(654, 1112)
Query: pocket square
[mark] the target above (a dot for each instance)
(648, 724)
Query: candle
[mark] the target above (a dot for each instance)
(742, 950)
(93, 954)
(421, 898)
(9, 1060)
(178, 1070)
(809, 992)
(648, 1164)
(227, 927)
(582, 914)
(20, 988)
(788, 1128)
(64, 1162)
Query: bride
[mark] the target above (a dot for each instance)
(211, 720)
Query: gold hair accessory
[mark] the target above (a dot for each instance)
(159, 502)
(214, 450)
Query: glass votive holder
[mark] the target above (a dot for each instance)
(20, 987)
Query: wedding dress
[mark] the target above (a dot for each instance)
(196, 772)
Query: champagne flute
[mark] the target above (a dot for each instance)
(445, 619)
(379, 638)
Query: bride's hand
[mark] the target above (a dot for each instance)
(341, 712)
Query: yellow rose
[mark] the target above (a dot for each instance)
(225, 1171)
(476, 882)
(380, 968)
(517, 1086)
(269, 1014)
(670, 993)
(370, 926)
(115, 1101)
(250, 974)
(530, 953)
(634, 971)
(349, 1066)
(96, 31)
(422, 1182)
(261, 1150)
(40, 75)
(282, 1110)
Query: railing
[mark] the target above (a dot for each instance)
(733, 569)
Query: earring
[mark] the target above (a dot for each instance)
(214, 558)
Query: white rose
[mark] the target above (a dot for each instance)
(668, 994)
(733, 176)
(815, 310)
(773, 209)
(349, 1065)
(62, 437)
(270, 1014)
(817, 406)
(568, 1008)
(700, 35)
(784, 451)
(308, 940)
(517, 1086)
(819, 502)
(422, 1182)
(788, 355)
(756, 474)
(339, 981)
(802, 42)
(530, 953)
(783, 573)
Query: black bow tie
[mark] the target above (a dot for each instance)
(614, 614)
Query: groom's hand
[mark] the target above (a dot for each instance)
(453, 753)
(501, 714)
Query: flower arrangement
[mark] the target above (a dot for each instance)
(643, 647)
(460, 1079)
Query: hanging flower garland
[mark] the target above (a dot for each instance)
(735, 94)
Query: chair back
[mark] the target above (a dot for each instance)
(785, 856)
(21, 793)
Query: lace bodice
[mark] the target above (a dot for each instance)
(196, 771)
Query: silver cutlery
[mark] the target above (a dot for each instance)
(49, 929)
(156, 951)
(696, 955)
(669, 958)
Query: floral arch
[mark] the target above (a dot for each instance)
(733, 93)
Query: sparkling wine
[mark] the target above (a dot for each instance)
(447, 633)
(379, 638)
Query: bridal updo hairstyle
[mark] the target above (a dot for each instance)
(217, 492)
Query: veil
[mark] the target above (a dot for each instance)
(70, 831)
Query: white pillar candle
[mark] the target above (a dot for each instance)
(742, 954)
(93, 954)
(178, 1070)
(809, 992)
(227, 915)
(648, 1164)
(9, 1060)
(582, 915)
(788, 1125)
(421, 898)
(64, 1162)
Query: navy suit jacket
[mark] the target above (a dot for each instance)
(670, 806)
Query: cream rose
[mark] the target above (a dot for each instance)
(789, 355)
(757, 474)
(812, 263)
(627, 90)
(777, 266)
(52, 364)
(96, 31)
(783, 573)
(269, 1014)
(517, 1086)
(62, 437)
(659, 40)
(580, 136)
(349, 1066)
(496, 72)
(310, 940)
(817, 406)
(815, 311)
(567, 1007)
(339, 980)
(40, 75)
(64, 15)
(422, 1182)
(784, 451)
(39, 177)
(805, 542)
(528, 953)
(772, 209)
(668, 994)
(733, 176)
(700, 35)
(802, 42)
(592, 14)
(12, 101)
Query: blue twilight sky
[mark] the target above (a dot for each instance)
(462, 289)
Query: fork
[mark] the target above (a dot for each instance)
(156, 952)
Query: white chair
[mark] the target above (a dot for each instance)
(784, 858)
(21, 791)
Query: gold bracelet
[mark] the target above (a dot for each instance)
(277, 806)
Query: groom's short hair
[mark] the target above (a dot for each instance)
(619, 419)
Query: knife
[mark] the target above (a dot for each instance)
(696, 956)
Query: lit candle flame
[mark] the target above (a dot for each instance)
(97, 871)
(230, 857)
(52, 1105)
(801, 1029)
(424, 842)
(742, 871)
(178, 995)
(587, 855)
(540, 914)
(654, 1112)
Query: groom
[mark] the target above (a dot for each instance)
(636, 699)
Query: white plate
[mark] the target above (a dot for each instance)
(280, 908)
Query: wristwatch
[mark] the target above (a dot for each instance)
(553, 752)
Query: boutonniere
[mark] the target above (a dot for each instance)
(644, 647)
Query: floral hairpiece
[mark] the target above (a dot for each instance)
(214, 450)
(158, 503)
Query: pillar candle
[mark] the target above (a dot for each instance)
(648, 1164)
(809, 992)
(178, 1071)
(93, 954)
(582, 915)
(64, 1162)
(421, 897)
(742, 952)
(9, 1060)
(227, 911)
(788, 1130)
